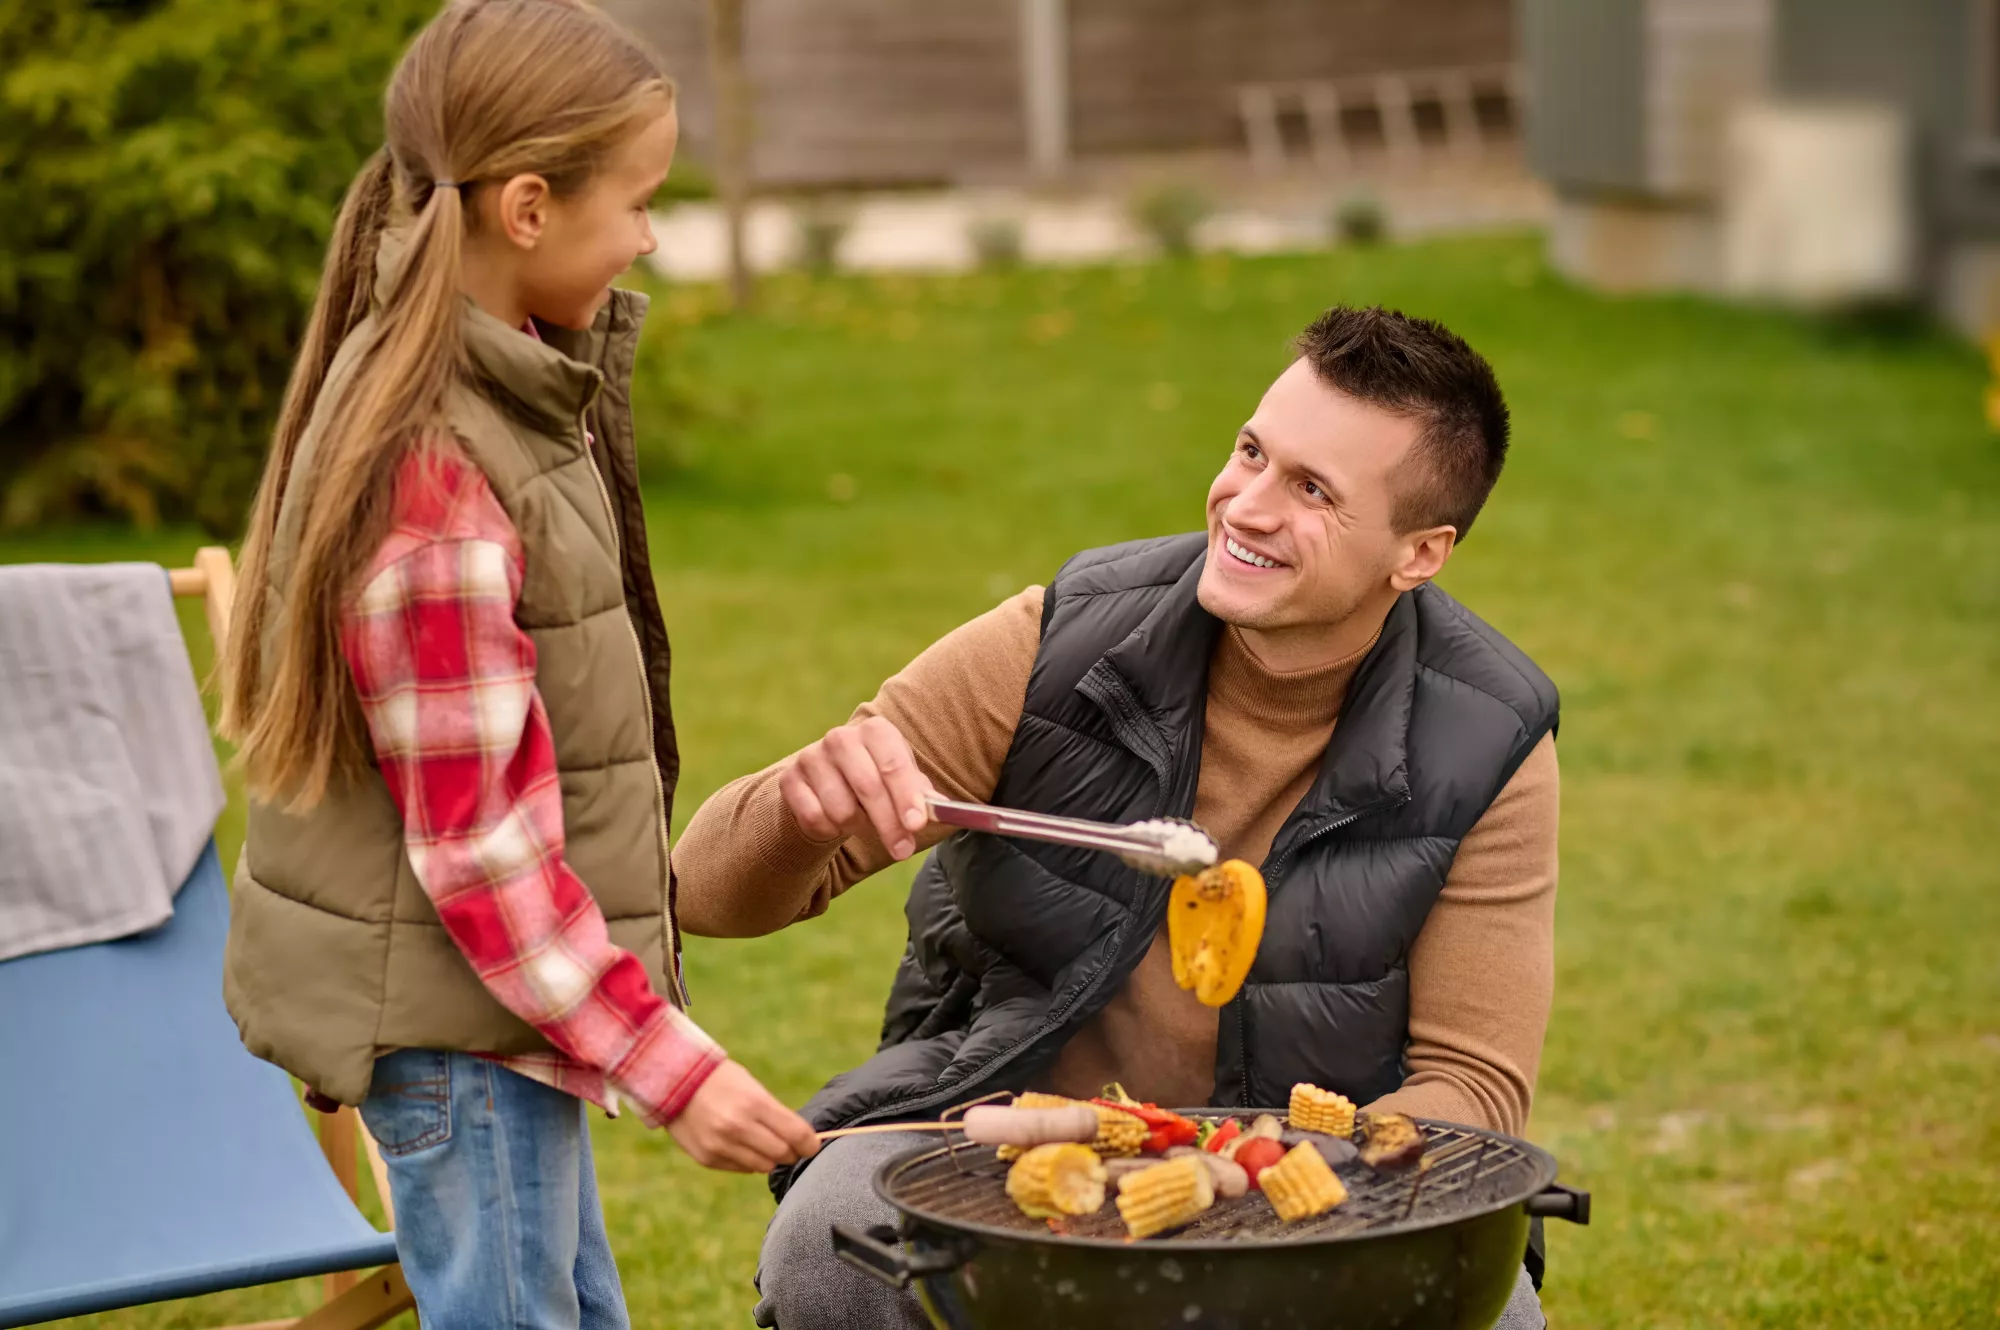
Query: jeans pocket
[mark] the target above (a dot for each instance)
(409, 1101)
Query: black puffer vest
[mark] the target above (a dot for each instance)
(1013, 945)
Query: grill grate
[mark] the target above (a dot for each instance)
(1468, 1172)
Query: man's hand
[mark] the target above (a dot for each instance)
(734, 1123)
(858, 778)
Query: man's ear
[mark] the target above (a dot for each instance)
(1424, 553)
(521, 210)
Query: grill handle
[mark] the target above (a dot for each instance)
(1556, 1201)
(878, 1252)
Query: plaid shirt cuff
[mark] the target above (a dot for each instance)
(669, 1060)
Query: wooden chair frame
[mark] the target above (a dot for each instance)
(353, 1300)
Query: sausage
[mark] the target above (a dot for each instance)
(997, 1124)
(1120, 1169)
(1230, 1177)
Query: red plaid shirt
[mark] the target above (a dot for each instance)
(447, 682)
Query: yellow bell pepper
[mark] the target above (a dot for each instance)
(1214, 922)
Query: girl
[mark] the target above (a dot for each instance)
(449, 680)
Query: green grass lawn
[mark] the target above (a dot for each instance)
(1761, 557)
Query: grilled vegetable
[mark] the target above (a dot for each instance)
(1301, 1185)
(1117, 1132)
(1214, 922)
(992, 1124)
(1165, 1196)
(1314, 1109)
(1164, 1129)
(1390, 1142)
(1257, 1154)
(1222, 1136)
(1266, 1126)
(1336, 1150)
(1051, 1181)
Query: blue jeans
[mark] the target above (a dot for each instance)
(497, 1217)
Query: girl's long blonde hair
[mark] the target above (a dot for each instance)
(490, 90)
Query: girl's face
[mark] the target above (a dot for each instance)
(560, 255)
(596, 234)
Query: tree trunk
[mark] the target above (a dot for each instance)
(732, 136)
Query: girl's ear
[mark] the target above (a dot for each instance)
(522, 207)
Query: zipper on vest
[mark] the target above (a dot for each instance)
(646, 696)
(1126, 722)
(1271, 878)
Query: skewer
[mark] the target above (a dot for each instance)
(958, 1111)
(889, 1126)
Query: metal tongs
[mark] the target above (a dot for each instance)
(1167, 846)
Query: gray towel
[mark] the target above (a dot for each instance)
(108, 784)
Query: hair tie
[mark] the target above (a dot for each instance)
(448, 184)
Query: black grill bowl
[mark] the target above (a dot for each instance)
(1439, 1249)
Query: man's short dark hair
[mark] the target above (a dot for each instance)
(1418, 368)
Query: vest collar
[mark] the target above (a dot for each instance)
(551, 381)
(1367, 760)
(1153, 686)
(1162, 668)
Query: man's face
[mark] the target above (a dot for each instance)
(1299, 529)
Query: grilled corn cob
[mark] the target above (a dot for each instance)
(1165, 1196)
(1119, 1134)
(1314, 1109)
(1301, 1185)
(1050, 1181)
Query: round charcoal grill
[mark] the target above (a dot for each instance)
(1440, 1247)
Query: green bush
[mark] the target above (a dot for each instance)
(822, 225)
(171, 170)
(1360, 219)
(1169, 214)
(996, 239)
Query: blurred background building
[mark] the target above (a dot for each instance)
(1822, 152)
(907, 92)
(1819, 151)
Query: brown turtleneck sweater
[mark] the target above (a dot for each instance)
(1481, 971)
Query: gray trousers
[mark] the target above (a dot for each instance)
(805, 1287)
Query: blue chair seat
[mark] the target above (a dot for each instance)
(144, 1155)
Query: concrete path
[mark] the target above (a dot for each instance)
(934, 232)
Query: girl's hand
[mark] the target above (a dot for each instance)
(859, 778)
(734, 1123)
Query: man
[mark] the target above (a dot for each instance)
(1410, 848)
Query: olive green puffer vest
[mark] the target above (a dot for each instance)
(335, 954)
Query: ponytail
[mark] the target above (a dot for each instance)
(342, 302)
(300, 728)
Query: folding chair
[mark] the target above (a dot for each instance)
(144, 1155)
